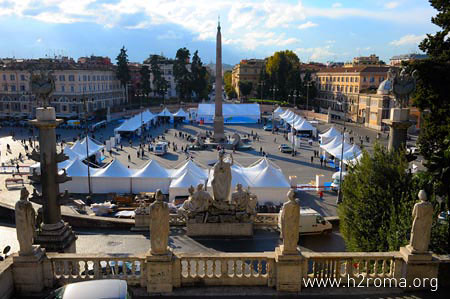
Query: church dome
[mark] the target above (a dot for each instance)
(385, 87)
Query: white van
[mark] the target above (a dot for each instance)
(161, 148)
(311, 222)
(336, 183)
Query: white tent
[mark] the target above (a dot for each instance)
(189, 166)
(335, 142)
(232, 113)
(166, 113)
(78, 171)
(180, 185)
(277, 112)
(61, 165)
(113, 178)
(135, 123)
(304, 125)
(329, 135)
(79, 147)
(151, 177)
(182, 113)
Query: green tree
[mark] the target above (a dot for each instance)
(182, 74)
(145, 80)
(245, 87)
(378, 196)
(280, 67)
(229, 89)
(432, 98)
(122, 71)
(199, 77)
(160, 84)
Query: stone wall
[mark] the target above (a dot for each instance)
(6, 279)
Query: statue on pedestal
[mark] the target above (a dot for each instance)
(221, 182)
(290, 224)
(421, 227)
(403, 85)
(159, 225)
(197, 202)
(25, 223)
(240, 198)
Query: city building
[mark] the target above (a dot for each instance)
(247, 70)
(75, 83)
(166, 67)
(397, 60)
(365, 60)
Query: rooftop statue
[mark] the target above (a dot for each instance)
(221, 182)
(42, 85)
(25, 223)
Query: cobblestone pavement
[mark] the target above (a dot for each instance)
(299, 165)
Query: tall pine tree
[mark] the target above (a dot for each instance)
(122, 72)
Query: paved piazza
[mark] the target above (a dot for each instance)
(128, 242)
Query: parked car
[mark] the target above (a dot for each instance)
(311, 222)
(284, 148)
(160, 148)
(268, 128)
(336, 183)
(93, 289)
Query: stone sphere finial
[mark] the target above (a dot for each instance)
(422, 195)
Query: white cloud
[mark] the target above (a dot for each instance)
(336, 5)
(39, 40)
(391, 5)
(169, 35)
(306, 25)
(409, 39)
(253, 40)
(318, 53)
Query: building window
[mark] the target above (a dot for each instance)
(385, 114)
(351, 88)
(98, 77)
(4, 77)
(346, 79)
(64, 108)
(22, 87)
(89, 78)
(84, 77)
(13, 88)
(71, 78)
(62, 78)
(22, 77)
(356, 89)
(351, 79)
(12, 77)
(62, 88)
(364, 79)
(72, 88)
(25, 107)
(93, 78)
(5, 87)
(372, 79)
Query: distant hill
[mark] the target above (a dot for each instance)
(225, 67)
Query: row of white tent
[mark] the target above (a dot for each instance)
(145, 118)
(77, 151)
(263, 177)
(295, 120)
(331, 142)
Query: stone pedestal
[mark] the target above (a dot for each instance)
(28, 272)
(57, 237)
(418, 266)
(399, 124)
(289, 271)
(219, 134)
(219, 229)
(159, 273)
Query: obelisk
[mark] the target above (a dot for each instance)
(219, 134)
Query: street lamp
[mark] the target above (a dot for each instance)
(86, 130)
(294, 95)
(308, 83)
(262, 85)
(339, 196)
(274, 90)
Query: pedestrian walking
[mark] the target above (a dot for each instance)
(321, 195)
(129, 157)
(312, 159)
(260, 150)
(321, 162)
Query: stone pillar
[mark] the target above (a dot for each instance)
(289, 262)
(54, 235)
(219, 134)
(28, 272)
(398, 124)
(419, 262)
(329, 116)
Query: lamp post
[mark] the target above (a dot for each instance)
(339, 196)
(262, 85)
(308, 83)
(86, 130)
(274, 90)
(294, 96)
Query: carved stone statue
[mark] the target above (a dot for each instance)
(290, 224)
(159, 225)
(196, 203)
(252, 203)
(25, 223)
(403, 85)
(240, 198)
(221, 181)
(421, 227)
(42, 85)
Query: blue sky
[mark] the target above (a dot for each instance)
(317, 30)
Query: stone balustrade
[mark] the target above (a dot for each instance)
(226, 269)
(352, 265)
(266, 219)
(67, 268)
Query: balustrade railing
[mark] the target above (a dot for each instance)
(266, 219)
(227, 269)
(67, 268)
(352, 265)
